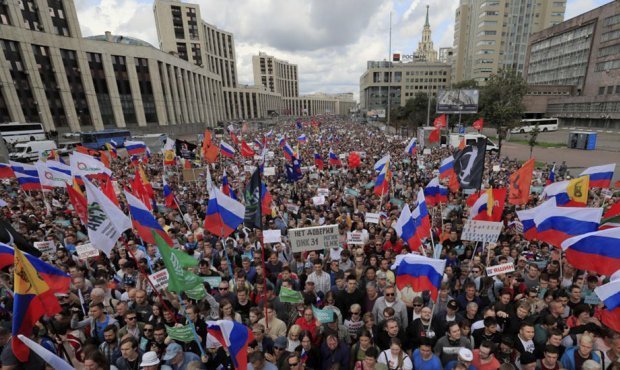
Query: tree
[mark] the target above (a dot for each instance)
(413, 114)
(501, 102)
(532, 139)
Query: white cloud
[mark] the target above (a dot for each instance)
(330, 41)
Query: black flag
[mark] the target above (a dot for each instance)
(253, 217)
(469, 165)
(185, 149)
(8, 235)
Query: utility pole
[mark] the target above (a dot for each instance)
(389, 103)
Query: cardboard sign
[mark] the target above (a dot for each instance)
(272, 236)
(189, 175)
(313, 238)
(87, 250)
(159, 279)
(318, 200)
(292, 207)
(249, 168)
(481, 231)
(269, 171)
(322, 191)
(504, 268)
(355, 238)
(372, 218)
(47, 247)
(324, 316)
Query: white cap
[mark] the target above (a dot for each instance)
(149, 359)
(465, 354)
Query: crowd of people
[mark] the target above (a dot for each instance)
(543, 315)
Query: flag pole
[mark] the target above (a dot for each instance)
(262, 244)
(191, 325)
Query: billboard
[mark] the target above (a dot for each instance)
(457, 101)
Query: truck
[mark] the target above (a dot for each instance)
(470, 139)
(31, 151)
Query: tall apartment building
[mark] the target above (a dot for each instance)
(276, 75)
(581, 55)
(50, 74)
(494, 34)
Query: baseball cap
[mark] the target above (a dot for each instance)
(308, 265)
(280, 342)
(149, 359)
(452, 305)
(172, 350)
(381, 275)
(465, 354)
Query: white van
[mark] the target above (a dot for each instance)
(470, 139)
(31, 151)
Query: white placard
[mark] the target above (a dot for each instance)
(607, 193)
(234, 169)
(159, 279)
(87, 250)
(342, 156)
(292, 207)
(257, 157)
(481, 231)
(322, 191)
(269, 171)
(272, 236)
(504, 268)
(355, 238)
(426, 151)
(318, 200)
(313, 238)
(249, 168)
(496, 168)
(372, 218)
(47, 247)
(270, 155)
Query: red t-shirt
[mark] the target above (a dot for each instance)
(492, 365)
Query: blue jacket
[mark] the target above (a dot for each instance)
(340, 356)
(568, 359)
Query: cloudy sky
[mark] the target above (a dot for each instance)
(330, 40)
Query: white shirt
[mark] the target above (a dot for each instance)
(386, 358)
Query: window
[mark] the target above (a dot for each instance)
(610, 90)
(610, 21)
(601, 90)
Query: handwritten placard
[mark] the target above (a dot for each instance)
(47, 247)
(504, 268)
(313, 238)
(322, 191)
(292, 207)
(372, 218)
(159, 279)
(481, 231)
(269, 171)
(355, 238)
(318, 200)
(87, 250)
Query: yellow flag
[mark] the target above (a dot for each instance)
(577, 189)
(27, 279)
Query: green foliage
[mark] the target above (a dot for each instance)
(413, 114)
(501, 101)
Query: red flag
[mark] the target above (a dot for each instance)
(138, 189)
(440, 122)
(434, 136)
(471, 199)
(108, 189)
(246, 151)
(493, 207)
(104, 158)
(209, 151)
(462, 144)
(520, 182)
(187, 164)
(234, 138)
(354, 160)
(78, 201)
(454, 183)
(478, 124)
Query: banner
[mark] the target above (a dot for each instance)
(504, 268)
(290, 296)
(481, 231)
(314, 238)
(181, 333)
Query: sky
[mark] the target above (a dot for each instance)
(329, 40)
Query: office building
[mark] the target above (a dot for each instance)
(276, 75)
(49, 73)
(493, 34)
(583, 55)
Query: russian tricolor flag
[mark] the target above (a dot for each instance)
(435, 193)
(382, 184)
(596, 251)
(282, 141)
(565, 194)
(233, 336)
(227, 150)
(556, 224)
(143, 221)
(334, 160)
(446, 168)
(224, 214)
(489, 206)
(411, 147)
(6, 171)
(168, 195)
(526, 217)
(226, 188)
(302, 138)
(405, 228)
(27, 176)
(381, 163)
(421, 273)
(318, 161)
(600, 176)
(421, 217)
(610, 295)
(288, 151)
(135, 147)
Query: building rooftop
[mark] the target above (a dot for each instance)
(120, 39)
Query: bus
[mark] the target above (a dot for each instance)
(20, 132)
(98, 139)
(543, 124)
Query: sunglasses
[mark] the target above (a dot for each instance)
(417, 305)
(278, 349)
(355, 313)
(131, 318)
(223, 288)
(294, 364)
(389, 294)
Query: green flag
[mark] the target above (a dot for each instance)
(182, 333)
(290, 296)
(324, 316)
(179, 279)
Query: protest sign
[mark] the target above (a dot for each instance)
(504, 268)
(234, 169)
(496, 168)
(313, 238)
(159, 279)
(249, 168)
(481, 231)
(607, 193)
(318, 200)
(270, 155)
(47, 247)
(214, 281)
(292, 207)
(426, 151)
(324, 316)
(592, 299)
(372, 218)
(269, 171)
(272, 236)
(323, 191)
(355, 238)
(352, 192)
(87, 250)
